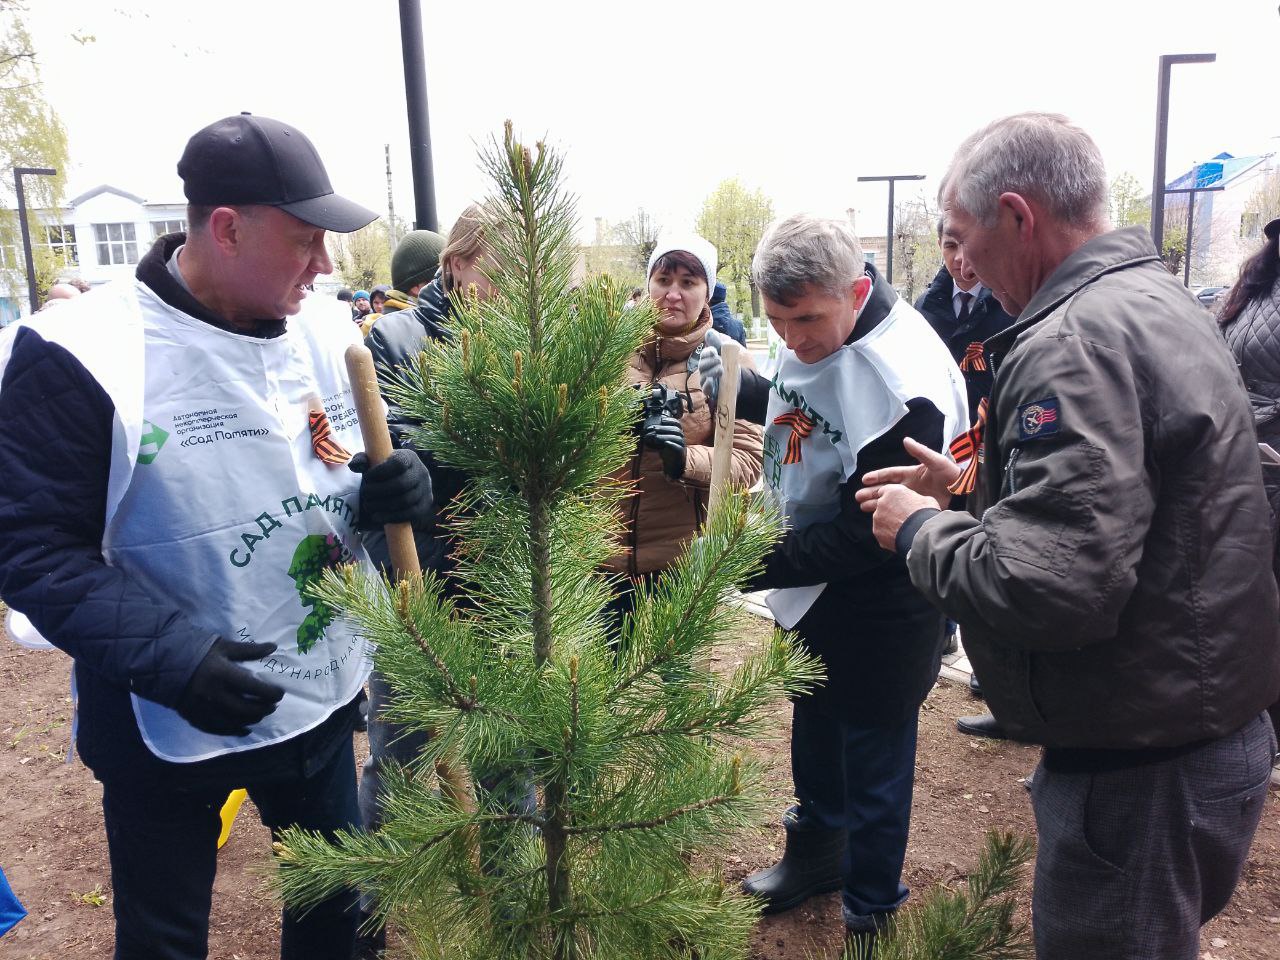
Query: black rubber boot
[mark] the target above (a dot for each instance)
(812, 863)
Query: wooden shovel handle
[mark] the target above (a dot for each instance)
(404, 556)
(726, 409)
(377, 446)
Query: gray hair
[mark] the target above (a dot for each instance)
(807, 251)
(1043, 156)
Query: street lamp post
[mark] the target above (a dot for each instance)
(33, 294)
(415, 95)
(888, 267)
(1162, 137)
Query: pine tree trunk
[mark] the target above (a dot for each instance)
(554, 815)
(558, 892)
(540, 562)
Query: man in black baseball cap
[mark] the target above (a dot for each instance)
(259, 204)
(248, 160)
(199, 481)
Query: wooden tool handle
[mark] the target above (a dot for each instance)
(404, 557)
(726, 409)
(377, 445)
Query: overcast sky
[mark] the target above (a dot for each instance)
(654, 104)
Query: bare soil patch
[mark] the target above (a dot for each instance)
(53, 849)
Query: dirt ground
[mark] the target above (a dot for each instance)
(54, 852)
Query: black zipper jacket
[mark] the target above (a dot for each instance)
(1114, 583)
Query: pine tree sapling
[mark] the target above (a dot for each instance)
(623, 739)
(974, 923)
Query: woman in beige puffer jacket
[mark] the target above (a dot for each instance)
(671, 471)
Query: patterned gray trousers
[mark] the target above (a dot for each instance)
(1132, 862)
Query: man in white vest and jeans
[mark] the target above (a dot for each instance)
(179, 467)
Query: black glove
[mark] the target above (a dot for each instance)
(667, 438)
(225, 699)
(398, 490)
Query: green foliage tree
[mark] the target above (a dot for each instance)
(973, 923)
(1174, 245)
(362, 259)
(623, 735)
(31, 135)
(734, 219)
(1128, 204)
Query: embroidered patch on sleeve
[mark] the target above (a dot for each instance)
(1038, 419)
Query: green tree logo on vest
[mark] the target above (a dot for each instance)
(150, 442)
(316, 553)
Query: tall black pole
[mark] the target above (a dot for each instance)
(1162, 137)
(33, 294)
(888, 272)
(1191, 222)
(415, 95)
(888, 232)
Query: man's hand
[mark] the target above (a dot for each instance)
(893, 504)
(398, 490)
(225, 699)
(931, 479)
(711, 367)
(667, 437)
(893, 494)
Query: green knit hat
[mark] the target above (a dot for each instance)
(416, 259)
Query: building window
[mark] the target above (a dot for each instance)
(160, 227)
(61, 240)
(9, 256)
(117, 243)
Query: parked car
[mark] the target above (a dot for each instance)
(1208, 296)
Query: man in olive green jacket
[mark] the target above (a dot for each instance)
(1113, 581)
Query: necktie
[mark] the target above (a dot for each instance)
(963, 315)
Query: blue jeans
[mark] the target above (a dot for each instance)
(857, 779)
(163, 845)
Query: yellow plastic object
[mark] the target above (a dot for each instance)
(229, 811)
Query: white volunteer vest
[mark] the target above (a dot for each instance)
(842, 403)
(217, 502)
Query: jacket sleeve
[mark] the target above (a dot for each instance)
(394, 341)
(753, 396)
(844, 547)
(1053, 562)
(56, 427)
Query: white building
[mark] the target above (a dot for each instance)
(1222, 237)
(100, 235)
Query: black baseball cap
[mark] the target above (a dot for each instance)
(1272, 229)
(257, 160)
